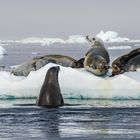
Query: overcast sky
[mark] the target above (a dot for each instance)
(61, 18)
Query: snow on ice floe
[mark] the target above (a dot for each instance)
(123, 86)
(111, 36)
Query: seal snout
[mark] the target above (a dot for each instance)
(50, 93)
(57, 68)
(104, 65)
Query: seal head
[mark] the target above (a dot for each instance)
(50, 93)
(96, 64)
(97, 58)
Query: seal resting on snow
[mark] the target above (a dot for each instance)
(97, 58)
(127, 62)
(40, 61)
(78, 64)
(50, 93)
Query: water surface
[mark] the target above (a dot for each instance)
(91, 119)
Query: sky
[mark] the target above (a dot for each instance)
(61, 18)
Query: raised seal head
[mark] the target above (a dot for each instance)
(50, 93)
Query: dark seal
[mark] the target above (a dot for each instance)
(50, 93)
(97, 58)
(127, 62)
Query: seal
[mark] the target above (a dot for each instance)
(127, 62)
(50, 93)
(78, 64)
(40, 61)
(97, 58)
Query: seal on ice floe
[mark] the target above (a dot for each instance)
(97, 58)
(126, 62)
(40, 61)
(50, 93)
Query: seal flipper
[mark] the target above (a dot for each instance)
(127, 62)
(78, 64)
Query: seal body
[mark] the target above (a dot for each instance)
(50, 93)
(40, 61)
(78, 64)
(97, 58)
(127, 62)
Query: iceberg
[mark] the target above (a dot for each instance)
(49, 41)
(108, 36)
(111, 36)
(74, 83)
(42, 41)
(76, 39)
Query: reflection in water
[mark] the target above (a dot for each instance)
(49, 123)
(90, 119)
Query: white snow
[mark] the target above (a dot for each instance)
(74, 83)
(76, 39)
(42, 41)
(111, 36)
(119, 47)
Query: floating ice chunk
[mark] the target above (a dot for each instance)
(74, 83)
(111, 36)
(137, 45)
(42, 41)
(2, 51)
(76, 39)
(34, 53)
(119, 47)
(49, 41)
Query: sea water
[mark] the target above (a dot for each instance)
(83, 118)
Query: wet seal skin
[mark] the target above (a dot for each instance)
(127, 62)
(50, 94)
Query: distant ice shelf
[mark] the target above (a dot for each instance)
(108, 36)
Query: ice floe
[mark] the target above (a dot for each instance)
(74, 83)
